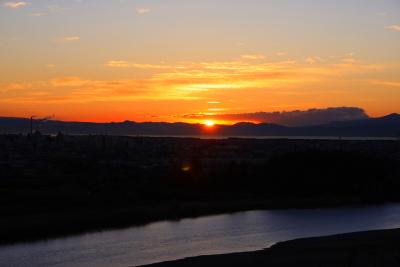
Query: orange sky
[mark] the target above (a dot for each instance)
(153, 61)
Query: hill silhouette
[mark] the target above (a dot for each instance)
(387, 126)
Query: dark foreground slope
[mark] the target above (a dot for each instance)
(56, 185)
(365, 249)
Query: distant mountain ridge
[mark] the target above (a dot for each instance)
(387, 126)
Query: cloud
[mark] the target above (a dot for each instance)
(125, 64)
(143, 10)
(252, 57)
(313, 60)
(67, 39)
(37, 14)
(386, 83)
(118, 64)
(75, 89)
(69, 82)
(73, 38)
(15, 5)
(394, 27)
(291, 118)
(240, 80)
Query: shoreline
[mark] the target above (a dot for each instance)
(65, 225)
(358, 249)
(122, 219)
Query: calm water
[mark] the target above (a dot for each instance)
(162, 241)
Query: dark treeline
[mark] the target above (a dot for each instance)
(54, 185)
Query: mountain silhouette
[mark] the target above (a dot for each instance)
(387, 126)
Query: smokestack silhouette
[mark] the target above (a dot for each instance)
(32, 117)
(38, 122)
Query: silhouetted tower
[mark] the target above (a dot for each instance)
(38, 121)
(32, 118)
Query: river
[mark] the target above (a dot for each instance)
(169, 240)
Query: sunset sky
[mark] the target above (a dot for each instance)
(178, 60)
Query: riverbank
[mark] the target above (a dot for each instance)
(363, 249)
(43, 226)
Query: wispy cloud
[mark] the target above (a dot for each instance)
(125, 64)
(118, 64)
(15, 5)
(37, 14)
(313, 60)
(73, 38)
(252, 57)
(208, 81)
(386, 83)
(143, 10)
(394, 27)
(75, 89)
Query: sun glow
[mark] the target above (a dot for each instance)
(209, 123)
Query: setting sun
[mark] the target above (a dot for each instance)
(209, 123)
